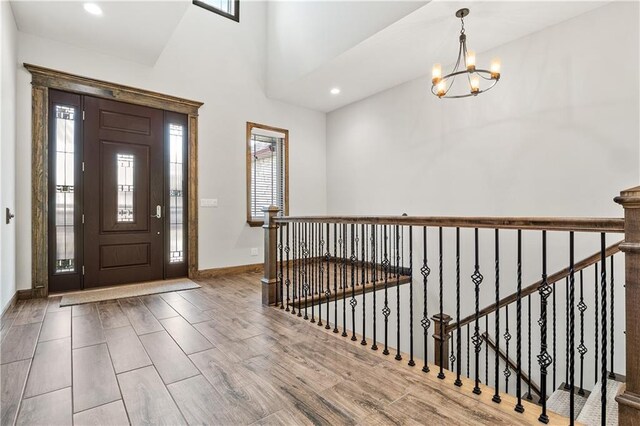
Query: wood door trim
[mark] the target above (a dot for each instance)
(43, 79)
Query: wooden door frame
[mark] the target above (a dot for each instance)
(43, 79)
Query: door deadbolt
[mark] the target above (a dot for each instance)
(158, 214)
(8, 215)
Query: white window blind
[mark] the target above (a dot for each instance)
(267, 174)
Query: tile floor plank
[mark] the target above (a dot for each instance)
(111, 315)
(56, 325)
(127, 352)
(187, 337)
(172, 364)
(199, 402)
(158, 307)
(141, 318)
(12, 379)
(186, 308)
(51, 367)
(147, 400)
(53, 408)
(112, 413)
(94, 381)
(19, 343)
(86, 330)
(84, 309)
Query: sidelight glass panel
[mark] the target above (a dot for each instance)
(125, 164)
(176, 193)
(64, 183)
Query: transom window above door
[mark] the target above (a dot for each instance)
(267, 171)
(227, 8)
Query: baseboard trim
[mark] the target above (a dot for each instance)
(229, 270)
(31, 293)
(10, 305)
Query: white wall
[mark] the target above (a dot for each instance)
(8, 66)
(219, 62)
(557, 136)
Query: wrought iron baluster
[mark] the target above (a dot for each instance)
(426, 322)
(441, 295)
(288, 281)
(335, 278)
(327, 292)
(572, 334)
(486, 350)
(320, 262)
(554, 331)
(612, 374)
(398, 357)
(529, 396)
(353, 302)
(582, 349)
(566, 340)
(603, 301)
(519, 407)
(279, 287)
(468, 348)
(507, 338)
(477, 278)
(312, 268)
(411, 361)
(544, 359)
(597, 325)
(458, 382)
(496, 396)
(386, 311)
(344, 281)
(363, 278)
(452, 357)
(300, 267)
(294, 232)
(374, 277)
(305, 254)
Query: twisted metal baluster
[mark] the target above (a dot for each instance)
(544, 359)
(398, 357)
(335, 278)
(572, 334)
(320, 274)
(281, 275)
(294, 232)
(374, 277)
(612, 375)
(452, 357)
(553, 330)
(597, 325)
(441, 290)
(458, 382)
(327, 292)
(353, 301)
(496, 396)
(603, 301)
(312, 266)
(519, 407)
(468, 349)
(300, 268)
(477, 278)
(486, 350)
(288, 281)
(386, 311)
(411, 361)
(507, 338)
(425, 322)
(529, 396)
(345, 287)
(363, 342)
(566, 340)
(305, 254)
(582, 349)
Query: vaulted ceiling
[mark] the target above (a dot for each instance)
(362, 47)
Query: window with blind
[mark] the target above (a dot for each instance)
(267, 171)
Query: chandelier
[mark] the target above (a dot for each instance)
(465, 68)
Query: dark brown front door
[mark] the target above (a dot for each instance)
(123, 193)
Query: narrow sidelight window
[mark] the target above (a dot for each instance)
(125, 187)
(227, 8)
(176, 193)
(64, 131)
(267, 171)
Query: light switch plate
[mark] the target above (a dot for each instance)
(254, 251)
(208, 202)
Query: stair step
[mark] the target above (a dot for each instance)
(590, 414)
(558, 402)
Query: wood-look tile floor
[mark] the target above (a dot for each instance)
(212, 355)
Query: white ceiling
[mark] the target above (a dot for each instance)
(408, 48)
(136, 31)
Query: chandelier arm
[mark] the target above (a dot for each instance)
(466, 95)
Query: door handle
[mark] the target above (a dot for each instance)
(158, 214)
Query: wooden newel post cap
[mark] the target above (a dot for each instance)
(269, 213)
(629, 198)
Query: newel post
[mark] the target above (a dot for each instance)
(441, 323)
(270, 278)
(629, 401)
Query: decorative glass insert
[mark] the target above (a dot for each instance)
(64, 181)
(125, 164)
(176, 193)
(267, 174)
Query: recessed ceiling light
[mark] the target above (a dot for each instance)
(335, 91)
(93, 8)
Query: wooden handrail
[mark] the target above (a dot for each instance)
(551, 279)
(576, 224)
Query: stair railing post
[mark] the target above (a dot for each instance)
(270, 278)
(441, 324)
(629, 400)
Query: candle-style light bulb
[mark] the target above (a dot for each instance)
(471, 60)
(441, 88)
(436, 73)
(495, 68)
(475, 84)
